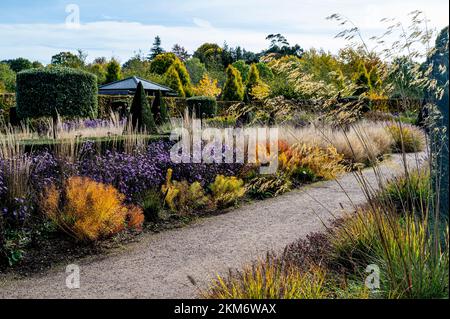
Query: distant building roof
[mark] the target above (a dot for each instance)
(130, 84)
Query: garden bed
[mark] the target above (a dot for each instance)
(144, 182)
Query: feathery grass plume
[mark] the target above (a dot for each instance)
(265, 186)
(15, 164)
(362, 143)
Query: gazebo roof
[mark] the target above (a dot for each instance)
(131, 83)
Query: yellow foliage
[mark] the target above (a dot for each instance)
(323, 162)
(183, 197)
(88, 210)
(227, 190)
(270, 280)
(207, 87)
(363, 143)
(260, 91)
(380, 101)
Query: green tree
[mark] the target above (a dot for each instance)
(19, 64)
(364, 69)
(70, 60)
(196, 69)
(234, 88)
(253, 76)
(113, 71)
(438, 60)
(100, 71)
(264, 71)
(162, 62)
(403, 79)
(159, 109)
(226, 55)
(139, 66)
(167, 61)
(141, 113)
(37, 65)
(252, 81)
(174, 82)
(281, 47)
(7, 78)
(156, 48)
(180, 52)
(210, 54)
(243, 68)
(250, 57)
(325, 67)
(184, 77)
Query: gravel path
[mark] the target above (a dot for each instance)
(158, 266)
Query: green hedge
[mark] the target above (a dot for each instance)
(70, 92)
(204, 106)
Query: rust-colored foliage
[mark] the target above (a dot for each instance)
(135, 218)
(88, 210)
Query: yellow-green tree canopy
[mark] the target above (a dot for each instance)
(166, 64)
(174, 82)
(233, 89)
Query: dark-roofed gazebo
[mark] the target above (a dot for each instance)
(128, 87)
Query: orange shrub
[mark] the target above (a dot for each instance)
(88, 210)
(135, 218)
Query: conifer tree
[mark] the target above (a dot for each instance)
(233, 89)
(113, 71)
(252, 81)
(184, 77)
(142, 116)
(159, 109)
(156, 48)
(174, 82)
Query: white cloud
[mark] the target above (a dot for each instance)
(122, 39)
(236, 22)
(202, 23)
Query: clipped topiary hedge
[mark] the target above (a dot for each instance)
(204, 106)
(70, 92)
(141, 112)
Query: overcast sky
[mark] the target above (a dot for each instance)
(37, 29)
